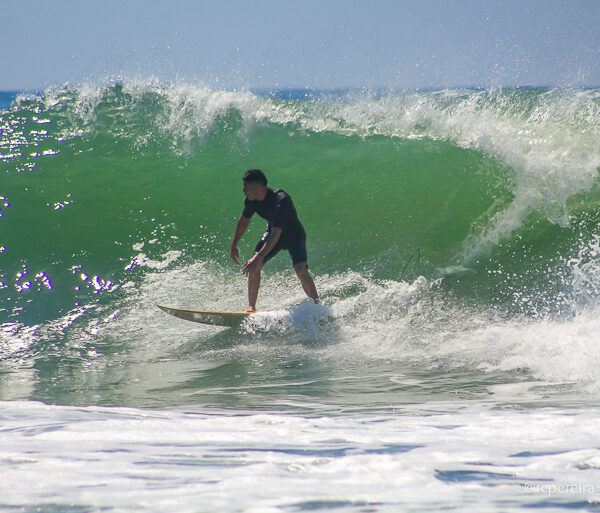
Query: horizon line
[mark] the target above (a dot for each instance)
(278, 88)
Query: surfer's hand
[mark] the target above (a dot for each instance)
(252, 266)
(234, 254)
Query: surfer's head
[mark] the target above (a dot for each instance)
(255, 184)
(255, 176)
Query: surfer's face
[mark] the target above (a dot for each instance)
(251, 190)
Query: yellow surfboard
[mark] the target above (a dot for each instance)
(229, 319)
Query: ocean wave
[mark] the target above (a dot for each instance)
(491, 188)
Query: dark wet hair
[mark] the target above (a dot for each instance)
(255, 176)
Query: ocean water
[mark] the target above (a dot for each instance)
(453, 365)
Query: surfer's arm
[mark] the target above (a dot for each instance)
(240, 229)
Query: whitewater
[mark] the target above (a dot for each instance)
(453, 364)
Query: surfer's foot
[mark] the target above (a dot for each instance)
(251, 309)
(316, 300)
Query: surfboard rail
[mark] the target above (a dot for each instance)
(214, 318)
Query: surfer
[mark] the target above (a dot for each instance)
(284, 231)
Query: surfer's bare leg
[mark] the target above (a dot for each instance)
(253, 286)
(307, 282)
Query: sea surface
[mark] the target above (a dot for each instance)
(454, 364)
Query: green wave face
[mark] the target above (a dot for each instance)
(494, 193)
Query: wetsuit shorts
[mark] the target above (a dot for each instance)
(296, 246)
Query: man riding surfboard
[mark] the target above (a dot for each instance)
(284, 231)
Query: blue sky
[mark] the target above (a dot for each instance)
(316, 44)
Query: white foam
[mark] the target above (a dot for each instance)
(363, 322)
(585, 276)
(305, 321)
(141, 259)
(423, 457)
(362, 319)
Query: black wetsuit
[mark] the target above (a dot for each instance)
(279, 211)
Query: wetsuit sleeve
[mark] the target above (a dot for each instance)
(248, 210)
(282, 213)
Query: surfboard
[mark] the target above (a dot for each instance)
(228, 319)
